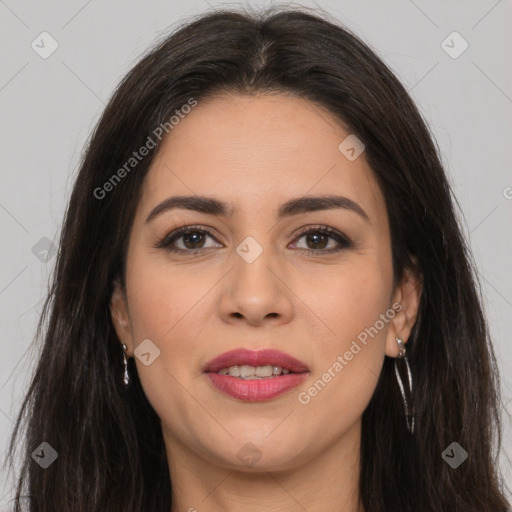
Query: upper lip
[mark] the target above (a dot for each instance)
(262, 357)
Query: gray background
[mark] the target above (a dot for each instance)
(49, 107)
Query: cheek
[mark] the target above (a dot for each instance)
(348, 361)
(161, 295)
(167, 306)
(349, 299)
(162, 310)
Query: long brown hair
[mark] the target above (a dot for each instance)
(111, 454)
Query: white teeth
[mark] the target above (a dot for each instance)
(253, 372)
(263, 371)
(234, 371)
(247, 371)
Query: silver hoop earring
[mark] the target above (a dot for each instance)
(126, 377)
(409, 416)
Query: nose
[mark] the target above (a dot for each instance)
(256, 293)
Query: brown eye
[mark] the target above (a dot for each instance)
(186, 240)
(193, 240)
(317, 241)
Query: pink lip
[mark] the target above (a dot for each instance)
(263, 357)
(256, 390)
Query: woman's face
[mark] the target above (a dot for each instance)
(263, 276)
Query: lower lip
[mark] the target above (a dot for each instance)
(256, 390)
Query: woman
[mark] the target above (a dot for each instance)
(262, 300)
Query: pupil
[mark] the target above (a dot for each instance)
(188, 236)
(315, 237)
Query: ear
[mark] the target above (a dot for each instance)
(121, 317)
(406, 300)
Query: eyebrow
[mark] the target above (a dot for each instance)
(295, 206)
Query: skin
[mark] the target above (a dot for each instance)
(257, 152)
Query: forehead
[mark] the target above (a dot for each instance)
(256, 150)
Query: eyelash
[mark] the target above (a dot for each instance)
(344, 241)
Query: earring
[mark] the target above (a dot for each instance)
(126, 377)
(409, 417)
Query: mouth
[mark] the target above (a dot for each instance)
(255, 375)
(247, 372)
